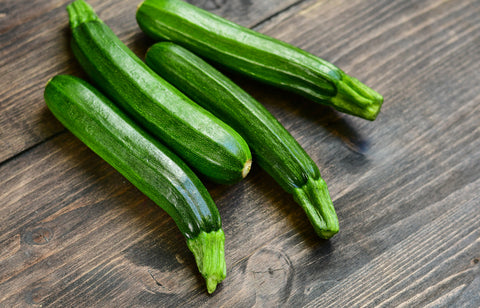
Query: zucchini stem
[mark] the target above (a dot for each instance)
(353, 97)
(80, 12)
(315, 200)
(209, 251)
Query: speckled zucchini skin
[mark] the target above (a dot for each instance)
(273, 147)
(256, 55)
(147, 164)
(206, 143)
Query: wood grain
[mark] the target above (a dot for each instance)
(75, 233)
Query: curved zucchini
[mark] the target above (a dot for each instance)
(147, 164)
(256, 55)
(273, 147)
(203, 141)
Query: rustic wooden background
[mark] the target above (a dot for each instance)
(75, 233)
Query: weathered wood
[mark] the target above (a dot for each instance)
(35, 46)
(74, 233)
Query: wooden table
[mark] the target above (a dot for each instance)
(75, 233)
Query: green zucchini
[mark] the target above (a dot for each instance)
(203, 141)
(273, 147)
(256, 55)
(147, 164)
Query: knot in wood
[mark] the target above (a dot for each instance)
(271, 274)
(38, 236)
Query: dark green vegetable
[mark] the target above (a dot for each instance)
(147, 164)
(256, 55)
(274, 149)
(203, 141)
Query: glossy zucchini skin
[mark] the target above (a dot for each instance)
(150, 166)
(256, 55)
(273, 147)
(207, 144)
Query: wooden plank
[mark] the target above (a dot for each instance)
(73, 232)
(35, 46)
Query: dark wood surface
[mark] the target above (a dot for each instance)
(75, 233)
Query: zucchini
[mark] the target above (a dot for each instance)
(256, 55)
(203, 141)
(273, 147)
(147, 164)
